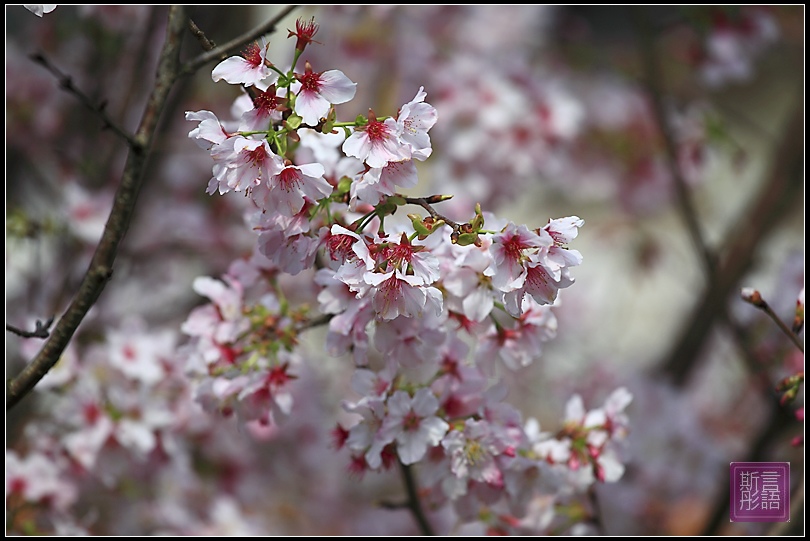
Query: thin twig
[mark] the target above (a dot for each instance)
(781, 324)
(316, 322)
(101, 266)
(425, 204)
(205, 43)
(99, 109)
(414, 504)
(780, 189)
(41, 330)
(224, 50)
(208, 45)
(596, 515)
(754, 298)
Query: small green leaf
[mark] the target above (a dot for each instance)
(294, 121)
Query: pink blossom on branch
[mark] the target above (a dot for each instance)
(413, 424)
(319, 91)
(377, 143)
(246, 70)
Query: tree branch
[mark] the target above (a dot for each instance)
(425, 203)
(760, 303)
(779, 190)
(654, 83)
(99, 109)
(101, 266)
(41, 330)
(414, 503)
(223, 51)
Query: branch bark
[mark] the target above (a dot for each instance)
(414, 504)
(655, 87)
(100, 269)
(780, 189)
(225, 50)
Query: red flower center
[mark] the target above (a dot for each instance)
(311, 81)
(253, 54)
(376, 130)
(289, 178)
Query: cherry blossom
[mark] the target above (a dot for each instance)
(38, 478)
(209, 132)
(266, 108)
(243, 163)
(423, 310)
(511, 250)
(414, 120)
(246, 70)
(412, 422)
(377, 143)
(472, 451)
(319, 91)
(292, 184)
(304, 32)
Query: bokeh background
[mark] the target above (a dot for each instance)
(544, 112)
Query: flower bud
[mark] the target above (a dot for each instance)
(751, 295)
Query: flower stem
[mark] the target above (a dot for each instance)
(781, 324)
(423, 202)
(413, 500)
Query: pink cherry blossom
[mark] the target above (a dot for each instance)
(413, 423)
(246, 70)
(472, 451)
(378, 182)
(209, 132)
(319, 91)
(518, 344)
(510, 249)
(265, 394)
(39, 479)
(292, 184)
(395, 294)
(414, 343)
(244, 163)
(266, 108)
(376, 143)
(138, 353)
(291, 254)
(225, 321)
(469, 289)
(414, 121)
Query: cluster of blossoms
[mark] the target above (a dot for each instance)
(735, 38)
(430, 310)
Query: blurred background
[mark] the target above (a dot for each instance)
(544, 112)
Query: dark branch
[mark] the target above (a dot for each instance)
(425, 203)
(98, 108)
(41, 330)
(653, 79)
(223, 51)
(780, 188)
(208, 45)
(316, 322)
(101, 266)
(765, 307)
(414, 504)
